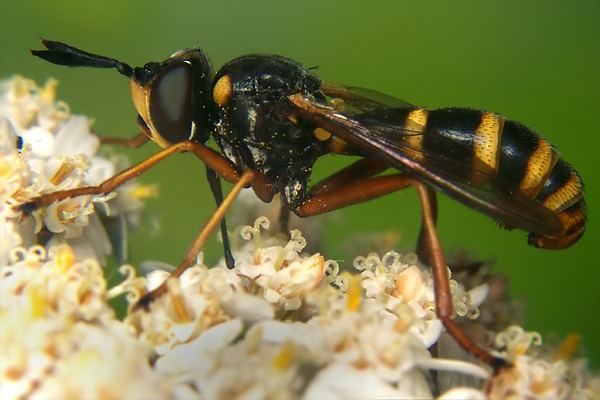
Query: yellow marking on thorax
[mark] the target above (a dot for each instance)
(322, 134)
(223, 90)
(334, 144)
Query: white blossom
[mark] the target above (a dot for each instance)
(59, 337)
(284, 323)
(44, 149)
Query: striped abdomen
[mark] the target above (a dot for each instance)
(483, 149)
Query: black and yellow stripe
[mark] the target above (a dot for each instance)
(484, 149)
(562, 193)
(415, 125)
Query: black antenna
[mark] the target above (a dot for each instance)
(63, 54)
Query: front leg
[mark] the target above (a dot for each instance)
(211, 158)
(190, 256)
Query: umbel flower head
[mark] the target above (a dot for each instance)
(43, 149)
(284, 323)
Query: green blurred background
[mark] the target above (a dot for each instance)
(535, 62)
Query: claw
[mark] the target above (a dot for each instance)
(498, 364)
(27, 208)
(145, 301)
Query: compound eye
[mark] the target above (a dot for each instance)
(171, 108)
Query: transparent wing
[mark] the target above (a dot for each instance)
(382, 137)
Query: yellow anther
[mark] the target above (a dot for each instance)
(285, 356)
(568, 347)
(354, 293)
(144, 191)
(65, 258)
(35, 295)
(65, 169)
(48, 92)
(178, 301)
(5, 170)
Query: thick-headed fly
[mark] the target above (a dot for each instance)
(272, 118)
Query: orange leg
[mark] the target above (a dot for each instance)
(198, 243)
(217, 167)
(210, 157)
(362, 169)
(133, 143)
(367, 188)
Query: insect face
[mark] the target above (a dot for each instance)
(173, 98)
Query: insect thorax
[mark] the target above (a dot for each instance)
(258, 129)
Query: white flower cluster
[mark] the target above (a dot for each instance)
(281, 324)
(44, 149)
(288, 326)
(59, 337)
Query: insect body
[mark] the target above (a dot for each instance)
(499, 167)
(272, 119)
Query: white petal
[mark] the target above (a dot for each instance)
(41, 141)
(432, 332)
(75, 138)
(249, 308)
(100, 170)
(200, 354)
(340, 381)
(462, 394)
(479, 294)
